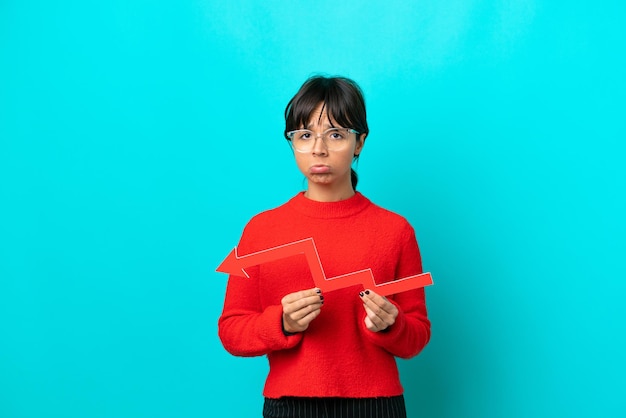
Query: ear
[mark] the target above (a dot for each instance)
(360, 143)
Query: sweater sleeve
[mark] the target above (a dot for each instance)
(411, 331)
(245, 327)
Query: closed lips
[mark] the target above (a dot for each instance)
(320, 168)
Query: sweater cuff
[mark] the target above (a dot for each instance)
(272, 332)
(282, 324)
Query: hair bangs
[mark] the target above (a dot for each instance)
(341, 98)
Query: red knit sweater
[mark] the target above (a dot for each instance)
(337, 356)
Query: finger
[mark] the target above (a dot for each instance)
(379, 305)
(375, 297)
(300, 324)
(306, 320)
(297, 305)
(370, 325)
(303, 312)
(377, 321)
(383, 303)
(292, 297)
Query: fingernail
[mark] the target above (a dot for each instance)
(322, 298)
(361, 294)
(318, 291)
(367, 292)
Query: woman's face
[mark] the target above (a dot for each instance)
(323, 168)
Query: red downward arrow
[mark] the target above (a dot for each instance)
(235, 265)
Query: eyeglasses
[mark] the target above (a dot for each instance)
(335, 139)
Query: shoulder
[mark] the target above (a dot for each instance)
(267, 223)
(256, 231)
(392, 221)
(267, 217)
(395, 236)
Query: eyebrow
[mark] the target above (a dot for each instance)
(327, 125)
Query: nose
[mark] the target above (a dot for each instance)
(319, 146)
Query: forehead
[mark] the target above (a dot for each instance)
(321, 118)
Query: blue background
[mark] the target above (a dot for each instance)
(138, 137)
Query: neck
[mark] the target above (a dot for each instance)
(327, 193)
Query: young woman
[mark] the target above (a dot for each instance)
(330, 354)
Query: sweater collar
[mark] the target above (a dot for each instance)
(341, 209)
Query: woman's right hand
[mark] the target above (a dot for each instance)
(300, 308)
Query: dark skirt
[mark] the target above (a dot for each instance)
(292, 407)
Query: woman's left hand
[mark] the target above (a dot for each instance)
(381, 314)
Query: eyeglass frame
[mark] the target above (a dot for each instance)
(290, 135)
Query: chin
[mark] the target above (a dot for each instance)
(321, 179)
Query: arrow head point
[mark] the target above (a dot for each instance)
(232, 265)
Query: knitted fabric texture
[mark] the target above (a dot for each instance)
(337, 356)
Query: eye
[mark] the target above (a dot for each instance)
(335, 135)
(303, 135)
